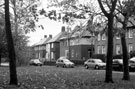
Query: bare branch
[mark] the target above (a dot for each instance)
(113, 5)
(102, 8)
(107, 3)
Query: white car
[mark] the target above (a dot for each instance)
(63, 62)
(132, 64)
(35, 62)
(94, 63)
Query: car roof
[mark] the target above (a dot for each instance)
(94, 59)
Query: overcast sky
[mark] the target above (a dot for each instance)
(50, 27)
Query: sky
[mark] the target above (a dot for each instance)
(50, 27)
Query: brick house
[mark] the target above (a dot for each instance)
(53, 46)
(101, 43)
(80, 44)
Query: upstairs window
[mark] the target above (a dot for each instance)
(103, 37)
(130, 33)
(52, 45)
(117, 49)
(103, 49)
(130, 48)
(98, 49)
(99, 37)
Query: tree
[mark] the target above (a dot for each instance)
(24, 17)
(125, 11)
(110, 16)
(11, 50)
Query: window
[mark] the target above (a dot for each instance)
(98, 49)
(66, 53)
(118, 36)
(52, 45)
(52, 56)
(99, 37)
(103, 36)
(117, 49)
(130, 48)
(130, 33)
(103, 50)
(72, 53)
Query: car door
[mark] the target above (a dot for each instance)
(93, 64)
(90, 63)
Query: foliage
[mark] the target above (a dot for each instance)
(50, 77)
(25, 14)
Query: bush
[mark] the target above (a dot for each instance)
(117, 56)
(100, 56)
(78, 62)
(51, 63)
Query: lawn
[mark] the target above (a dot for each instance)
(50, 77)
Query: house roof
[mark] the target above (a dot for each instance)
(42, 41)
(57, 37)
(80, 31)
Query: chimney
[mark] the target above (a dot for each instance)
(45, 36)
(50, 36)
(63, 29)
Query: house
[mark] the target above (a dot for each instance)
(101, 43)
(78, 45)
(40, 48)
(53, 46)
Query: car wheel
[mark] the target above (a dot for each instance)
(64, 66)
(86, 66)
(57, 65)
(96, 67)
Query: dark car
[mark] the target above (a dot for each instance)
(35, 62)
(94, 63)
(117, 64)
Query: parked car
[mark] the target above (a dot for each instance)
(132, 64)
(35, 62)
(94, 63)
(117, 64)
(63, 62)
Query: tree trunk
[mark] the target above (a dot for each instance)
(11, 50)
(0, 57)
(108, 77)
(125, 56)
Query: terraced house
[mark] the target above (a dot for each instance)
(53, 46)
(101, 43)
(78, 45)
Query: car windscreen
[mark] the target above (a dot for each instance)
(98, 61)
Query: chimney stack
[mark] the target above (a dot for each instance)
(63, 29)
(50, 36)
(45, 36)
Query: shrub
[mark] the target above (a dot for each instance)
(78, 62)
(117, 56)
(51, 63)
(100, 56)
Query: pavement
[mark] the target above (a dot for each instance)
(4, 64)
